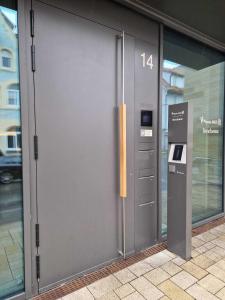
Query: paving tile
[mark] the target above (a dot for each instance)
(221, 294)
(209, 245)
(197, 242)
(213, 255)
(219, 250)
(184, 280)
(157, 276)
(206, 236)
(215, 232)
(173, 291)
(195, 252)
(203, 261)
(82, 294)
(220, 228)
(211, 283)
(199, 293)
(104, 286)
(219, 243)
(158, 259)
(179, 261)
(134, 296)
(124, 276)
(109, 296)
(171, 268)
(170, 254)
(140, 268)
(124, 290)
(221, 264)
(200, 250)
(146, 289)
(194, 270)
(217, 272)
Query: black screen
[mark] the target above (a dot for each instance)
(146, 118)
(178, 152)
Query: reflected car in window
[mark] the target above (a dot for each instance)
(10, 169)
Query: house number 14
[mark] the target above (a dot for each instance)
(147, 61)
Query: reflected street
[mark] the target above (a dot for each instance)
(10, 202)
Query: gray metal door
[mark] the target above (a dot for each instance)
(76, 120)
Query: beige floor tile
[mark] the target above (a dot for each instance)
(184, 280)
(197, 242)
(124, 290)
(209, 245)
(203, 261)
(82, 294)
(104, 286)
(200, 250)
(215, 232)
(199, 293)
(170, 254)
(157, 276)
(206, 236)
(134, 296)
(146, 289)
(213, 255)
(164, 298)
(221, 264)
(221, 294)
(109, 296)
(158, 259)
(196, 252)
(140, 268)
(219, 243)
(211, 283)
(219, 250)
(173, 291)
(217, 272)
(179, 261)
(194, 270)
(171, 268)
(221, 228)
(124, 276)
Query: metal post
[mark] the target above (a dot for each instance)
(123, 101)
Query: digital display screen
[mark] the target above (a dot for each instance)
(178, 152)
(146, 118)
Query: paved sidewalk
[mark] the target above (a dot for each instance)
(166, 276)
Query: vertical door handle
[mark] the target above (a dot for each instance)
(123, 151)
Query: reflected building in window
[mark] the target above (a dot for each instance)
(11, 208)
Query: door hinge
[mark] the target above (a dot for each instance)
(37, 236)
(38, 266)
(35, 147)
(32, 23)
(33, 58)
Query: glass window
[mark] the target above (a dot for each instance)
(6, 59)
(11, 196)
(194, 72)
(13, 97)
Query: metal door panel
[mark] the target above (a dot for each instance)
(75, 83)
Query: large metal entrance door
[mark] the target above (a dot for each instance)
(76, 124)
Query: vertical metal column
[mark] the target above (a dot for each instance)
(123, 158)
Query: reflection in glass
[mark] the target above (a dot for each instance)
(195, 73)
(11, 209)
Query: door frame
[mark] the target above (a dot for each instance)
(28, 126)
(29, 210)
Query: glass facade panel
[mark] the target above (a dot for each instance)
(11, 200)
(194, 72)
